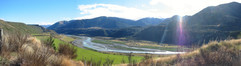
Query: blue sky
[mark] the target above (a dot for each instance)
(51, 11)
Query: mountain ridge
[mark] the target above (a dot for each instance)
(211, 23)
(13, 27)
(105, 22)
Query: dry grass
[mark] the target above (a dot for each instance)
(67, 50)
(224, 53)
(24, 50)
(69, 62)
(38, 57)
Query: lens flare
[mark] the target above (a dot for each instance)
(181, 32)
(164, 34)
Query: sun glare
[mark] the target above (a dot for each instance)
(180, 32)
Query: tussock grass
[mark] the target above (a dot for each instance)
(223, 53)
(24, 50)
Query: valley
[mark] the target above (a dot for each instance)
(120, 33)
(120, 48)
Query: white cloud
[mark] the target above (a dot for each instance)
(66, 18)
(157, 8)
(1, 19)
(96, 10)
(188, 7)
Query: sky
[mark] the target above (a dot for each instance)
(46, 12)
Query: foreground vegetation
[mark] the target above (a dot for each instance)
(223, 53)
(24, 50)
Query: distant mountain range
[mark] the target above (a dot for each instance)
(45, 26)
(104, 23)
(212, 23)
(104, 26)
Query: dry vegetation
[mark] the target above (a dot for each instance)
(24, 50)
(67, 50)
(224, 53)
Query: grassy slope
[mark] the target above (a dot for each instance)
(90, 54)
(20, 27)
(215, 53)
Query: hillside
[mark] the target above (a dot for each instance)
(223, 53)
(150, 21)
(105, 23)
(45, 26)
(103, 26)
(212, 23)
(21, 27)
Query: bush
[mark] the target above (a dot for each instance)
(50, 42)
(38, 57)
(222, 53)
(17, 49)
(12, 43)
(67, 50)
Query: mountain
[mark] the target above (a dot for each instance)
(225, 17)
(105, 23)
(212, 23)
(58, 25)
(102, 26)
(45, 26)
(150, 21)
(21, 27)
(155, 33)
(99, 22)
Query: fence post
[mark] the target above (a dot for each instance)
(1, 35)
(1, 39)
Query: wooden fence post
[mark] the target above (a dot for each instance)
(1, 39)
(1, 35)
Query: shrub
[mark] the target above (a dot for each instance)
(50, 42)
(67, 50)
(12, 43)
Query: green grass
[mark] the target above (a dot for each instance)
(102, 41)
(161, 48)
(125, 48)
(14, 27)
(42, 38)
(88, 54)
(66, 38)
(95, 56)
(107, 41)
(119, 42)
(239, 35)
